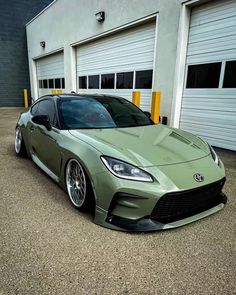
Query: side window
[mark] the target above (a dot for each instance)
(34, 109)
(47, 107)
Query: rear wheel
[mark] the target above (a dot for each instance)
(19, 143)
(78, 186)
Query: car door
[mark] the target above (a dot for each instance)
(45, 143)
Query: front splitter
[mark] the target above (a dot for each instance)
(146, 224)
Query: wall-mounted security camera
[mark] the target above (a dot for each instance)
(42, 44)
(100, 16)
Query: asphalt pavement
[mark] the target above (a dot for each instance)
(48, 247)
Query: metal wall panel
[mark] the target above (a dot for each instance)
(129, 50)
(211, 113)
(50, 67)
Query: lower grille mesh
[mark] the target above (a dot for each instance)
(175, 206)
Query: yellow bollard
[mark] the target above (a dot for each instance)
(136, 98)
(156, 106)
(54, 91)
(26, 98)
(59, 91)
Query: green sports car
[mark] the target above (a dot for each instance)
(109, 156)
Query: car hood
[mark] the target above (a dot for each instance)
(145, 146)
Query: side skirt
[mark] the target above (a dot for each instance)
(45, 168)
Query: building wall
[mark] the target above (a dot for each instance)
(14, 71)
(67, 22)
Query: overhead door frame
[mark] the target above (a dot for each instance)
(181, 56)
(141, 21)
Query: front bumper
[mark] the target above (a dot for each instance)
(171, 210)
(148, 224)
(172, 200)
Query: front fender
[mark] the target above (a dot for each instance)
(88, 157)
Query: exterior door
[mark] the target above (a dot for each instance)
(50, 74)
(119, 64)
(44, 143)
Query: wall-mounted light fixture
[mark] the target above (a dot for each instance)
(42, 44)
(100, 16)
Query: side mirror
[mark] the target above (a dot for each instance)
(148, 114)
(42, 120)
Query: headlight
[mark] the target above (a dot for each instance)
(214, 155)
(124, 170)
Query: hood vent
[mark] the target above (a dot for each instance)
(183, 139)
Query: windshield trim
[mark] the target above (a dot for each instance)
(116, 127)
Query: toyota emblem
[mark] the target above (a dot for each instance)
(198, 177)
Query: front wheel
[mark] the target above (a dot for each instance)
(19, 143)
(78, 186)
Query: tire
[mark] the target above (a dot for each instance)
(19, 143)
(78, 186)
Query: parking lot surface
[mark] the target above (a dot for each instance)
(48, 247)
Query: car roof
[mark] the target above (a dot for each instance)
(79, 95)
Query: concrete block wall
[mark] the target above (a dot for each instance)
(14, 70)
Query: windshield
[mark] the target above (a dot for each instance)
(100, 112)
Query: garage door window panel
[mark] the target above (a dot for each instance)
(143, 79)
(93, 82)
(40, 84)
(45, 84)
(124, 80)
(63, 83)
(58, 83)
(230, 75)
(83, 82)
(108, 81)
(50, 83)
(204, 75)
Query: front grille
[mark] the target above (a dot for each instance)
(179, 205)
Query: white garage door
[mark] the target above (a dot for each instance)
(118, 64)
(209, 97)
(50, 74)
